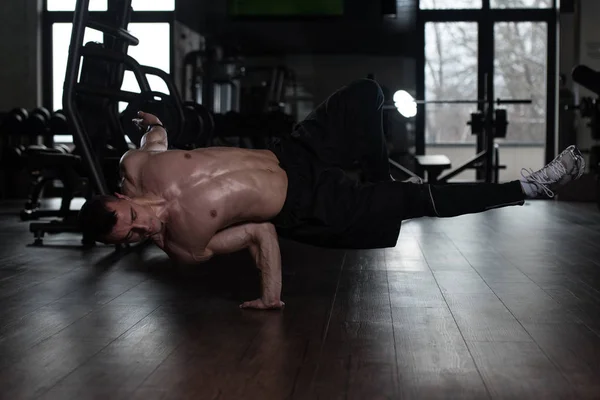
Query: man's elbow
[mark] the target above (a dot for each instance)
(191, 258)
(264, 230)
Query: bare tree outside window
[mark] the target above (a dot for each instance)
(519, 73)
(521, 3)
(451, 59)
(449, 4)
(470, 4)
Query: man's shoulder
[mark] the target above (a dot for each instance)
(132, 159)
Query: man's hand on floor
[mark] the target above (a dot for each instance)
(259, 304)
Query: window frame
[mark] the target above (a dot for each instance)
(486, 17)
(49, 18)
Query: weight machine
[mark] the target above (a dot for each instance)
(590, 108)
(488, 124)
(91, 96)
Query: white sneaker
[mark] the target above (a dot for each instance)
(566, 167)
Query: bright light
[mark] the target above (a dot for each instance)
(405, 104)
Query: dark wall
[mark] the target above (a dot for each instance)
(363, 29)
(20, 78)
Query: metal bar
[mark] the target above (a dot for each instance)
(107, 93)
(466, 165)
(130, 63)
(489, 127)
(402, 168)
(420, 84)
(89, 159)
(482, 101)
(47, 68)
(167, 79)
(173, 92)
(118, 33)
(551, 80)
(496, 163)
(482, 52)
(516, 101)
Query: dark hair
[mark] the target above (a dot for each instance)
(95, 219)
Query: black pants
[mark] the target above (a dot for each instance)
(327, 208)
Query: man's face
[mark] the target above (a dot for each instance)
(134, 222)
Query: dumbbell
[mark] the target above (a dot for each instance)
(58, 124)
(12, 125)
(36, 125)
(11, 129)
(159, 104)
(199, 126)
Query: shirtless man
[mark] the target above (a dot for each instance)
(201, 203)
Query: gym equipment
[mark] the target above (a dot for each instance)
(91, 95)
(199, 119)
(12, 146)
(211, 79)
(36, 126)
(12, 127)
(488, 124)
(247, 103)
(58, 125)
(158, 104)
(590, 108)
(433, 165)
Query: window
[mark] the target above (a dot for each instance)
(69, 5)
(521, 3)
(449, 4)
(61, 38)
(102, 5)
(451, 58)
(154, 48)
(520, 72)
(153, 51)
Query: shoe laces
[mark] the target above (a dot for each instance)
(541, 177)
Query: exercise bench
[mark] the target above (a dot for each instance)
(434, 165)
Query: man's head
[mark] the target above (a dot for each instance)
(117, 219)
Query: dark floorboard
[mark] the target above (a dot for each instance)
(504, 304)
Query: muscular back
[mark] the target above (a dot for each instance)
(206, 190)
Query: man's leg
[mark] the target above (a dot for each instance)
(453, 200)
(374, 217)
(348, 128)
(458, 199)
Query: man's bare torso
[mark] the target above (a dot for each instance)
(205, 191)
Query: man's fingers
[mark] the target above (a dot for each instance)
(139, 123)
(260, 305)
(257, 304)
(148, 118)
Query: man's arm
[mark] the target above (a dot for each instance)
(154, 139)
(262, 242)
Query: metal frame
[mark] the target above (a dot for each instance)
(49, 18)
(115, 53)
(486, 17)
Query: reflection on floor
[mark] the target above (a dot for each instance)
(504, 304)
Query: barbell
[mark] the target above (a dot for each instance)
(480, 101)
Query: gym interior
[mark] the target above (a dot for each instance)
(502, 304)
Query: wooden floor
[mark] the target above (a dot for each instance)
(502, 305)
